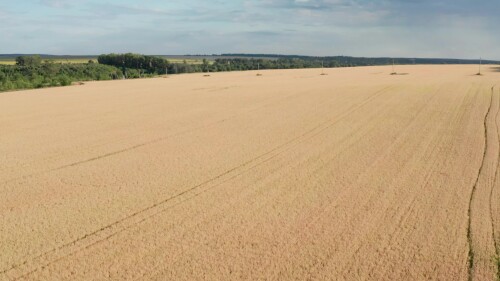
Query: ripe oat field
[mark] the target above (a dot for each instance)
(292, 175)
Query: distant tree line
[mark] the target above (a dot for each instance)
(136, 65)
(34, 72)
(140, 63)
(151, 65)
(362, 61)
(155, 65)
(238, 64)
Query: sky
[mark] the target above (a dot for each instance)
(380, 28)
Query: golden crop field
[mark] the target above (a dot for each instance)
(292, 175)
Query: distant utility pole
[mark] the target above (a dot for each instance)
(258, 69)
(393, 71)
(166, 71)
(480, 63)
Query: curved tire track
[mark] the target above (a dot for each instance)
(497, 251)
(477, 270)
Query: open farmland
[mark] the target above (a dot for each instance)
(354, 175)
(69, 60)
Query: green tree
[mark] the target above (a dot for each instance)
(30, 61)
(205, 65)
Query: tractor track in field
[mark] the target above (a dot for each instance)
(470, 238)
(497, 251)
(320, 167)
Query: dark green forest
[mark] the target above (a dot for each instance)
(33, 71)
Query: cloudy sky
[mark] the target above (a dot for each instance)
(408, 28)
